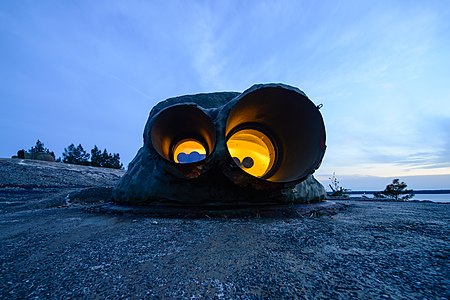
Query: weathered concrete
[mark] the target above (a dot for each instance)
(153, 179)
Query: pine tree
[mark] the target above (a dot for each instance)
(75, 155)
(115, 161)
(96, 157)
(39, 147)
(394, 190)
(78, 156)
(105, 159)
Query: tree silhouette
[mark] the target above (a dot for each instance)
(336, 188)
(395, 190)
(78, 156)
(96, 157)
(75, 155)
(111, 160)
(39, 147)
(105, 159)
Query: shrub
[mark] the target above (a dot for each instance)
(395, 190)
(337, 189)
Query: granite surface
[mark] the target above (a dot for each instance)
(56, 243)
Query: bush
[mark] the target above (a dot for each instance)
(395, 190)
(337, 189)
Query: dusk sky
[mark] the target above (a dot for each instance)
(89, 72)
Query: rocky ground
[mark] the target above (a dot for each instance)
(60, 238)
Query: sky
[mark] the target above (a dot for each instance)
(89, 72)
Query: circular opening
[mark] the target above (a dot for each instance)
(183, 134)
(252, 151)
(189, 151)
(296, 143)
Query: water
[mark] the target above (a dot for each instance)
(443, 198)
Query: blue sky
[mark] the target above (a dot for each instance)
(89, 72)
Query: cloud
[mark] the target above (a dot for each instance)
(380, 69)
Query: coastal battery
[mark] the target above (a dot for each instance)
(227, 148)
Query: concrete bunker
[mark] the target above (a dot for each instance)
(286, 128)
(257, 147)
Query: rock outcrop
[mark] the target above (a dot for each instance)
(22, 154)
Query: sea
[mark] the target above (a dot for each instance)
(441, 198)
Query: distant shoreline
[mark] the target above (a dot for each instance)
(435, 196)
(380, 200)
(417, 192)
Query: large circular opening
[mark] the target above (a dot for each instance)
(183, 134)
(252, 150)
(279, 128)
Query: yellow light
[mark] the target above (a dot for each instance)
(253, 151)
(188, 151)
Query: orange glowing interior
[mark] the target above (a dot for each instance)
(252, 151)
(189, 151)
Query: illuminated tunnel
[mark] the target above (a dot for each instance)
(276, 134)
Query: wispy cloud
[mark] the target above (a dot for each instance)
(380, 69)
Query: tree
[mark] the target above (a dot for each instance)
(39, 147)
(75, 155)
(96, 157)
(78, 156)
(105, 159)
(337, 189)
(394, 190)
(111, 160)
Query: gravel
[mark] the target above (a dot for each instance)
(55, 247)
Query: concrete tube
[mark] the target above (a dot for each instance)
(181, 126)
(291, 128)
(255, 147)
